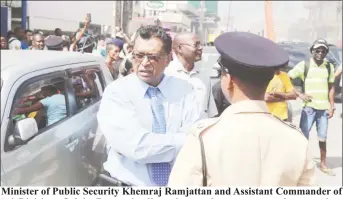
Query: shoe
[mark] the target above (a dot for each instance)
(328, 171)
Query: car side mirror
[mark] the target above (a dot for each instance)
(23, 130)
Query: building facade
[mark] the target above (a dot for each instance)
(325, 20)
(176, 15)
(70, 15)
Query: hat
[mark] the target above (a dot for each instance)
(248, 50)
(319, 43)
(54, 42)
(117, 42)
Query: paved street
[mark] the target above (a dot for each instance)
(334, 146)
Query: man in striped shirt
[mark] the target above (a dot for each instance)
(318, 95)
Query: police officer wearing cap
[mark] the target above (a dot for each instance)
(53, 42)
(318, 95)
(246, 145)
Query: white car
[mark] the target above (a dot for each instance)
(34, 150)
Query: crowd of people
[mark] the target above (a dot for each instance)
(116, 50)
(145, 117)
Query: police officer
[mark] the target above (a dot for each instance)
(246, 145)
(53, 42)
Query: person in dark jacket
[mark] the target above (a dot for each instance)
(219, 98)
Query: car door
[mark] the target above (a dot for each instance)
(48, 158)
(88, 85)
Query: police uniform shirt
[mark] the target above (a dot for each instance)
(246, 146)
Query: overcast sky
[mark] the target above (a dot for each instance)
(250, 14)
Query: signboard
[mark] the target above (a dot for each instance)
(210, 6)
(156, 5)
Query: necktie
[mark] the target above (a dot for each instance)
(160, 171)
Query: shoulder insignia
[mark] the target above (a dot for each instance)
(293, 126)
(202, 125)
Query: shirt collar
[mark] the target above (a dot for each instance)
(163, 87)
(246, 106)
(314, 63)
(177, 65)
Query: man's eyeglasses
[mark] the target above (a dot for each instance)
(141, 57)
(197, 45)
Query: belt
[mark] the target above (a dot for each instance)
(107, 180)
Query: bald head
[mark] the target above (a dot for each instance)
(182, 38)
(187, 46)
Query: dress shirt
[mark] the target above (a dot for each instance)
(200, 82)
(125, 119)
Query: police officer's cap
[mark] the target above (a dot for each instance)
(54, 42)
(248, 50)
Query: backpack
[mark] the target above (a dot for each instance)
(306, 69)
(11, 40)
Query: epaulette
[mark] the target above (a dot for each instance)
(290, 125)
(202, 125)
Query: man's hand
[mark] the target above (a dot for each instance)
(331, 112)
(87, 20)
(269, 97)
(305, 97)
(16, 111)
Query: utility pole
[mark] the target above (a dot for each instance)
(269, 20)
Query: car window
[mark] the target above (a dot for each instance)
(43, 100)
(49, 94)
(87, 86)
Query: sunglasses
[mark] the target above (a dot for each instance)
(320, 51)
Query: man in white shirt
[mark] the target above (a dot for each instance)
(38, 42)
(14, 43)
(144, 116)
(188, 50)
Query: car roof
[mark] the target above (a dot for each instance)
(31, 60)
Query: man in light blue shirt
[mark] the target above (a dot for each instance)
(145, 115)
(54, 105)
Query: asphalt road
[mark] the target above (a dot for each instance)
(334, 146)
